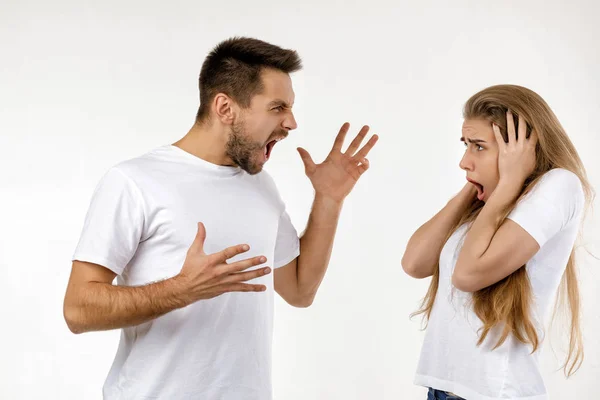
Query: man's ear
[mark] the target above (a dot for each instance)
(224, 108)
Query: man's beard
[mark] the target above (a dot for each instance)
(242, 149)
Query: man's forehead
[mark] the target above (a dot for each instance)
(277, 86)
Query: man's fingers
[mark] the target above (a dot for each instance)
(222, 256)
(364, 166)
(240, 287)
(367, 148)
(198, 243)
(357, 141)
(241, 265)
(339, 140)
(309, 164)
(239, 277)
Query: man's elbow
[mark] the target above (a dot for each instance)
(72, 315)
(300, 300)
(303, 302)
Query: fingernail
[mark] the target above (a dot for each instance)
(267, 270)
(245, 247)
(263, 259)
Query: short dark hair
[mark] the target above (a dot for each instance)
(233, 67)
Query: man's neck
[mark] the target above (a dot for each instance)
(207, 143)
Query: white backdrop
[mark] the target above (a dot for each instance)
(84, 85)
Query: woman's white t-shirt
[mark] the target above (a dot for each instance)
(450, 358)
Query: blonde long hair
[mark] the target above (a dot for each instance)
(509, 301)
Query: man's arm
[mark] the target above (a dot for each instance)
(333, 180)
(298, 281)
(92, 303)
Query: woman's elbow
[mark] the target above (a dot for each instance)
(415, 270)
(465, 282)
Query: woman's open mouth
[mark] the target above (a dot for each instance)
(479, 187)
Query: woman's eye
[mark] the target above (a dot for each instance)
(477, 147)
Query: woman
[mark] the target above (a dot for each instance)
(498, 250)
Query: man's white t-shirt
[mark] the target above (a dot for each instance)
(141, 221)
(450, 358)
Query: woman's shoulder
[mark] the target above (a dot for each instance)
(563, 176)
(563, 189)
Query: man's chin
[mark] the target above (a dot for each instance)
(254, 169)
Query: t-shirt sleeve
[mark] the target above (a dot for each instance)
(555, 201)
(114, 223)
(287, 247)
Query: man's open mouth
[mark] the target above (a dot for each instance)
(269, 147)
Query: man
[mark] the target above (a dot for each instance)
(188, 331)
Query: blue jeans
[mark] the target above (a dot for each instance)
(434, 394)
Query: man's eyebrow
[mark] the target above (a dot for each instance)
(276, 103)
